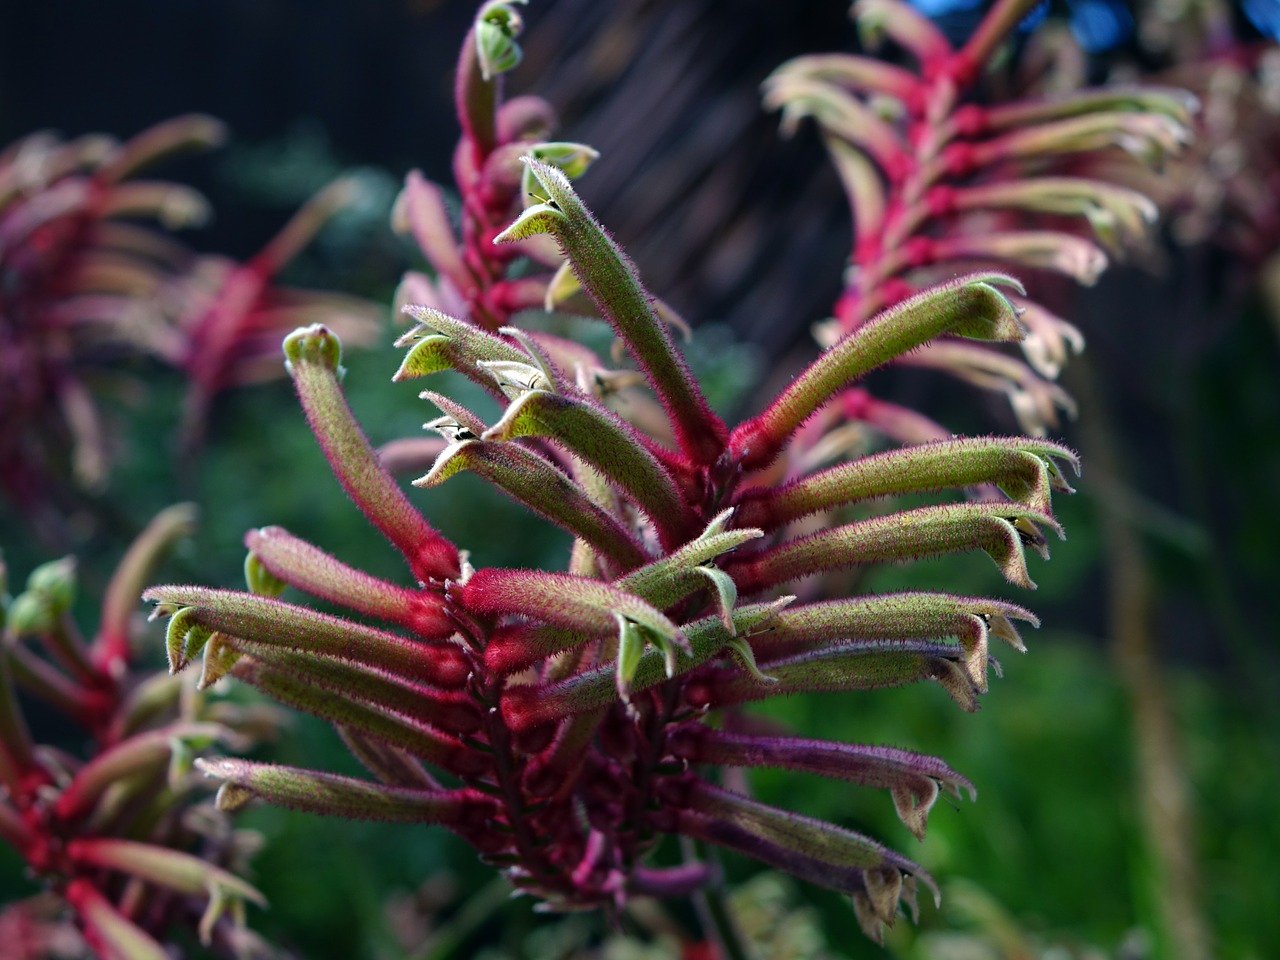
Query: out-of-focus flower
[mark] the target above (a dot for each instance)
(937, 183)
(91, 282)
(118, 833)
(79, 281)
(229, 317)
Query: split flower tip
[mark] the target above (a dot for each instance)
(317, 345)
(574, 159)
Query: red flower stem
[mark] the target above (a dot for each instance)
(66, 645)
(656, 749)
(303, 227)
(509, 783)
(488, 691)
(890, 255)
(475, 101)
(191, 131)
(141, 752)
(310, 569)
(556, 770)
(907, 210)
(313, 362)
(109, 932)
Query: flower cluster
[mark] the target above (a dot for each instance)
(938, 183)
(75, 282)
(92, 279)
(570, 710)
(118, 835)
(574, 713)
(1223, 190)
(562, 722)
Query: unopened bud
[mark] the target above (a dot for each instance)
(30, 613)
(56, 581)
(313, 344)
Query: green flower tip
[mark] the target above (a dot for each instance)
(572, 158)
(232, 797)
(986, 312)
(55, 582)
(496, 28)
(219, 657)
(30, 614)
(313, 344)
(557, 202)
(185, 637)
(259, 579)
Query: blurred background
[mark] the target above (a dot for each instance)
(1127, 766)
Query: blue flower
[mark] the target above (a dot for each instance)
(1265, 15)
(1100, 24)
(1097, 24)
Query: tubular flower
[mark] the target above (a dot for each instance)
(937, 184)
